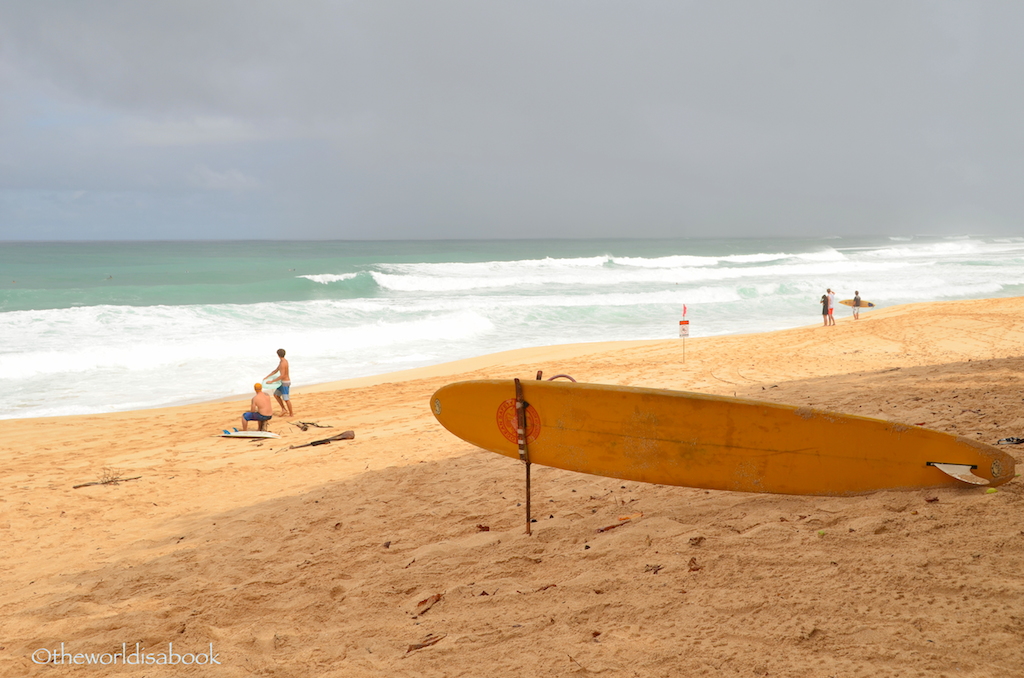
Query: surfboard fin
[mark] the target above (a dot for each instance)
(960, 472)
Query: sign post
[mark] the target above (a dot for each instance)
(684, 331)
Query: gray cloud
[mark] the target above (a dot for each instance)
(502, 119)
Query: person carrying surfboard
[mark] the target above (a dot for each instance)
(260, 410)
(856, 305)
(282, 393)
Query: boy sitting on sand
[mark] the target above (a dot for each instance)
(260, 410)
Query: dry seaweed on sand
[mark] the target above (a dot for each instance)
(109, 476)
(304, 425)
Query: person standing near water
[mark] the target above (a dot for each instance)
(831, 306)
(824, 310)
(856, 305)
(283, 392)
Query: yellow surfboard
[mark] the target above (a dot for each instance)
(863, 304)
(697, 440)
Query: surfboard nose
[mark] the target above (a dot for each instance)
(481, 413)
(455, 407)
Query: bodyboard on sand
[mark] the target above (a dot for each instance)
(712, 442)
(863, 304)
(248, 434)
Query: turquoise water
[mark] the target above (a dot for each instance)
(62, 275)
(93, 327)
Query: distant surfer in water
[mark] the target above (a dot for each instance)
(282, 393)
(260, 410)
(856, 305)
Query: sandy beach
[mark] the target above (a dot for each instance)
(402, 552)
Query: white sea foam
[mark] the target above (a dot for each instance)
(435, 281)
(943, 249)
(327, 278)
(477, 268)
(683, 261)
(108, 357)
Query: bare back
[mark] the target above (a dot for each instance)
(261, 403)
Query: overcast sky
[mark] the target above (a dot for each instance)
(491, 119)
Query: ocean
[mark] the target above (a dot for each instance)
(90, 327)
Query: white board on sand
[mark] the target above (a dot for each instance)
(248, 434)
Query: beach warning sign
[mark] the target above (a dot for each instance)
(684, 329)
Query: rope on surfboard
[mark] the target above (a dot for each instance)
(524, 451)
(540, 374)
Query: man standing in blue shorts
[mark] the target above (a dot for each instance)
(260, 410)
(281, 393)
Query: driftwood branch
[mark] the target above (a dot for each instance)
(306, 424)
(428, 640)
(109, 477)
(347, 435)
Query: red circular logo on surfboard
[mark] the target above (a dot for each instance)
(508, 426)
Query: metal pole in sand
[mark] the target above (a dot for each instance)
(524, 452)
(528, 516)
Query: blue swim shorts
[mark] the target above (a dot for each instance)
(256, 416)
(283, 389)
